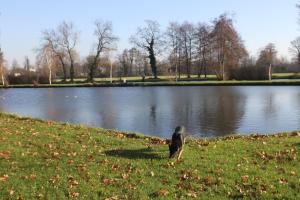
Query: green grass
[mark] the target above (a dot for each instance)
(286, 76)
(48, 160)
(183, 77)
(139, 78)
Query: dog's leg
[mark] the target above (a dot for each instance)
(179, 154)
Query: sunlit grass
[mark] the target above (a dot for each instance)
(48, 160)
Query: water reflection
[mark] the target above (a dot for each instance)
(222, 112)
(205, 111)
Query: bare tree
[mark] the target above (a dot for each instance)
(173, 35)
(203, 46)
(227, 46)
(27, 68)
(52, 40)
(105, 42)
(27, 64)
(187, 36)
(132, 56)
(15, 64)
(67, 39)
(149, 38)
(124, 62)
(2, 67)
(47, 58)
(267, 57)
(295, 49)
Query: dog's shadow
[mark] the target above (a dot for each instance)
(145, 153)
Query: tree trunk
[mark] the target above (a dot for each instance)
(111, 69)
(71, 66)
(2, 76)
(223, 71)
(50, 75)
(91, 74)
(63, 68)
(270, 72)
(153, 64)
(176, 78)
(72, 71)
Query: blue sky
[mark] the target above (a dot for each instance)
(258, 21)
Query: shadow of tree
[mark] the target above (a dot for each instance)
(145, 153)
(297, 145)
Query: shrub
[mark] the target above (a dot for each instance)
(22, 79)
(249, 73)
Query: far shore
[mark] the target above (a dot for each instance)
(275, 82)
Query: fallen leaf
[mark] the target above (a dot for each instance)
(245, 178)
(293, 173)
(4, 177)
(207, 180)
(115, 167)
(192, 194)
(163, 192)
(219, 180)
(107, 181)
(54, 179)
(74, 194)
(125, 175)
(72, 181)
(112, 198)
(152, 173)
(283, 181)
(5, 154)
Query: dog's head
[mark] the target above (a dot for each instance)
(172, 149)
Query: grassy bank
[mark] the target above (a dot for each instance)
(48, 160)
(163, 83)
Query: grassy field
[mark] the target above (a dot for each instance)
(183, 78)
(49, 160)
(139, 78)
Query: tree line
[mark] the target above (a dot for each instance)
(183, 49)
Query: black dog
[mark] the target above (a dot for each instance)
(178, 140)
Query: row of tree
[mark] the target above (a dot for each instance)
(182, 49)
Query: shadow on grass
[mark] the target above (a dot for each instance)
(297, 145)
(134, 153)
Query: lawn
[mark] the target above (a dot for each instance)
(49, 160)
(172, 78)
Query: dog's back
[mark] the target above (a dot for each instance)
(178, 139)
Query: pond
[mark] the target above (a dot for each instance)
(205, 111)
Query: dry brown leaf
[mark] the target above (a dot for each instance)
(4, 177)
(5, 154)
(112, 198)
(207, 180)
(72, 181)
(115, 167)
(125, 175)
(293, 173)
(163, 192)
(107, 181)
(245, 178)
(283, 181)
(74, 194)
(192, 194)
(54, 179)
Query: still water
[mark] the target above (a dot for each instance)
(205, 111)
